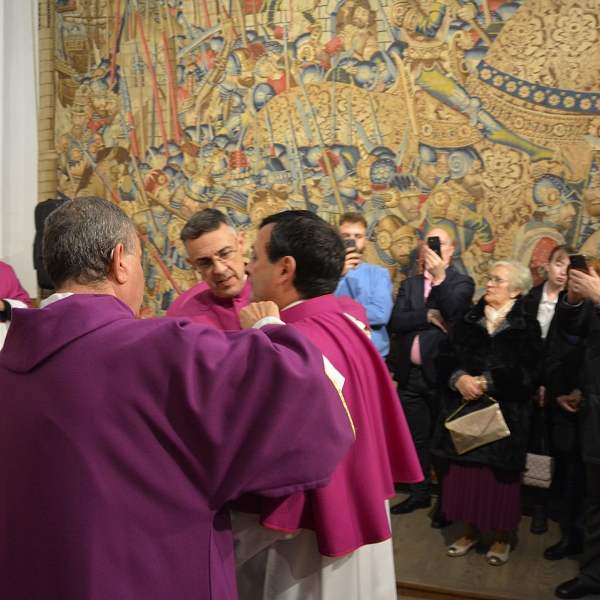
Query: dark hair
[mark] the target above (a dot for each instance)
(79, 238)
(353, 217)
(205, 221)
(316, 247)
(560, 248)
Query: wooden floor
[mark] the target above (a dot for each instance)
(424, 571)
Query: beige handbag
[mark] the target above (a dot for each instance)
(539, 468)
(478, 428)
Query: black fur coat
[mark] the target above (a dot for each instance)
(511, 359)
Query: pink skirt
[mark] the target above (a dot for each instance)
(487, 497)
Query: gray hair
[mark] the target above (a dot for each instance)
(205, 221)
(520, 276)
(79, 238)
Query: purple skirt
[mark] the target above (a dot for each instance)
(487, 497)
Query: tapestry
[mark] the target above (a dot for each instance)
(481, 117)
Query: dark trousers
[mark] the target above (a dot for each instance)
(419, 401)
(575, 491)
(589, 571)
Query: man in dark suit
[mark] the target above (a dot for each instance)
(424, 309)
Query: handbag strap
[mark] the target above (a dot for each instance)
(464, 403)
(544, 442)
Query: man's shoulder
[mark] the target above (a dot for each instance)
(183, 299)
(455, 276)
(377, 270)
(413, 280)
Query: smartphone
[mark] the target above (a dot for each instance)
(434, 243)
(350, 243)
(579, 262)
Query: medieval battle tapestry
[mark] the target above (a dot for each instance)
(481, 117)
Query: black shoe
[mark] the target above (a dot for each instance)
(568, 545)
(410, 504)
(439, 521)
(574, 588)
(539, 520)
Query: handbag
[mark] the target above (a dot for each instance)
(539, 468)
(478, 428)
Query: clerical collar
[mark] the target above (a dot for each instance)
(54, 298)
(293, 304)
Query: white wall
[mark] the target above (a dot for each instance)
(18, 136)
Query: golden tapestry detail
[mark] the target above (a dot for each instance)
(478, 117)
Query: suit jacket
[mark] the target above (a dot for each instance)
(409, 317)
(532, 303)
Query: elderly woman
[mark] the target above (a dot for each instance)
(494, 349)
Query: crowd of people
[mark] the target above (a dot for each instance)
(248, 444)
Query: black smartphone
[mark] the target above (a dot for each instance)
(350, 243)
(434, 243)
(579, 262)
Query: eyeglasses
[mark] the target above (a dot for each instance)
(495, 281)
(203, 265)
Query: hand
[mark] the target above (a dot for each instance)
(352, 261)
(468, 388)
(434, 264)
(434, 316)
(2, 306)
(570, 403)
(584, 286)
(540, 396)
(467, 12)
(254, 312)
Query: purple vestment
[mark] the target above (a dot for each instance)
(122, 441)
(350, 512)
(200, 305)
(10, 288)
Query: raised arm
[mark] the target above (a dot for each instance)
(274, 422)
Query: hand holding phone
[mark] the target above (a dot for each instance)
(352, 256)
(584, 282)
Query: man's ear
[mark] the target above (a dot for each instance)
(119, 269)
(241, 243)
(286, 269)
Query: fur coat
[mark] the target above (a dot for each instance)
(510, 359)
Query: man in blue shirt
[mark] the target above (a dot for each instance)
(368, 284)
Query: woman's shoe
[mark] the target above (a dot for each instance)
(455, 550)
(496, 559)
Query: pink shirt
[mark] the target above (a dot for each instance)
(415, 350)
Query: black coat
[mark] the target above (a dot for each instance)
(409, 317)
(531, 305)
(563, 360)
(511, 360)
(583, 322)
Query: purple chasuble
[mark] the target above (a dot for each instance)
(122, 441)
(200, 305)
(350, 511)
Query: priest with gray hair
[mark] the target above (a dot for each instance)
(122, 441)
